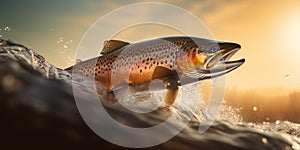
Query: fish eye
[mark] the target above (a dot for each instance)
(215, 49)
(198, 50)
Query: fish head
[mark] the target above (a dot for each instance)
(203, 58)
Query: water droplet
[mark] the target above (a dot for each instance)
(213, 81)
(66, 44)
(277, 122)
(296, 146)
(264, 140)
(7, 29)
(254, 108)
(71, 41)
(287, 76)
(51, 29)
(61, 39)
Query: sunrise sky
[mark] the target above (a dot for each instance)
(268, 30)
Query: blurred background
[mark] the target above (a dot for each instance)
(265, 88)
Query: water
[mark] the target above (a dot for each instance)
(48, 93)
(7, 29)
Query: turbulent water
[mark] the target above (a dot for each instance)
(38, 110)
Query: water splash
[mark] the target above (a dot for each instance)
(296, 146)
(66, 44)
(7, 29)
(213, 81)
(228, 134)
(277, 122)
(264, 140)
(60, 40)
(254, 108)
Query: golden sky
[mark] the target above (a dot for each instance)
(268, 30)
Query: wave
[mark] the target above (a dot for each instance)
(38, 110)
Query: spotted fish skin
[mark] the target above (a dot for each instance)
(167, 59)
(134, 63)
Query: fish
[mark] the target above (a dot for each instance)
(167, 60)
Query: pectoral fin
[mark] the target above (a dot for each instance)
(171, 80)
(163, 72)
(170, 97)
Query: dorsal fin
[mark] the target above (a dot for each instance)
(112, 45)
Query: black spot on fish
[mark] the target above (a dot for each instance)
(141, 71)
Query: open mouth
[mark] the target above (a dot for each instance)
(219, 64)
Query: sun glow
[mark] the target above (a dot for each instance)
(290, 30)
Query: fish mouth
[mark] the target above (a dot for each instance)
(219, 64)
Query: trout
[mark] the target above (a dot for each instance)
(173, 60)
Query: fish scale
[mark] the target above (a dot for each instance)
(167, 59)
